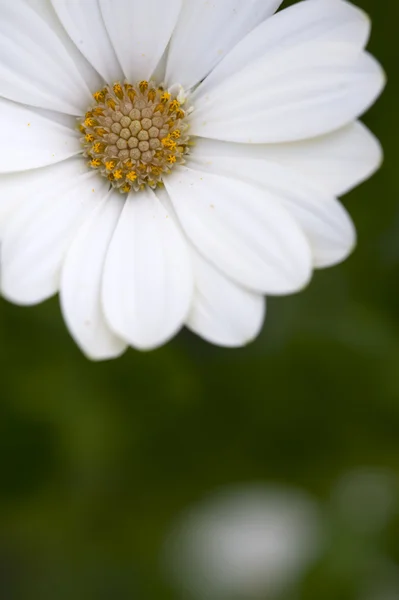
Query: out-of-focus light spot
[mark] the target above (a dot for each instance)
(250, 542)
(367, 498)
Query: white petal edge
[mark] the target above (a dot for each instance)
(148, 279)
(140, 31)
(222, 312)
(81, 281)
(301, 93)
(31, 140)
(241, 230)
(84, 24)
(324, 20)
(36, 67)
(322, 218)
(39, 232)
(336, 162)
(205, 33)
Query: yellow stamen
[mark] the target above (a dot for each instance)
(110, 165)
(131, 176)
(174, 106)
(89, 122)
(143, 85)
(126, 188)
(175, 134)
(111, 103)
(118, 91)
(95, 163)
(89, 137)
(98, 147)
(118, 174)
(151, 94)
(99, 96)
(165, 97)
(101, 131)
(156, 170)
(171, 159)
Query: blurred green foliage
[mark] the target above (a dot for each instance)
(97, 459)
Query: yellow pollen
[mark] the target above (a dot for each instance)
(152, 95)
(111, 103)
(118, 174)
(110, 165)
(171, 159)
(175, 134)
(98, 147)
(118, 90)
(82, 129)
(143, 85)
(89, 122)
(126, 188)
(98, 111)
(99, 96)
(174, 106)
(165, 97)
(180, 114)
(95, 163)
(131, 176)
(89, 137)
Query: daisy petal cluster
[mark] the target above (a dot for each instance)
(170, 164)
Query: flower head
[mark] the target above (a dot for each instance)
(171, 163)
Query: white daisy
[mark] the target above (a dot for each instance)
(214, 138)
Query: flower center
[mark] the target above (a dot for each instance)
(134, 134)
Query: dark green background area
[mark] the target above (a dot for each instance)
(97, 460)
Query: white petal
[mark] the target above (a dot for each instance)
(241, 230)
(31, 140)
(39, 233)
(140, 31)
(298, 93)
(326, 20)
(35, 66)
(81, 280)
(323, 219)
(205, 33)
(17, 188)
(46, 11)
(85, 25)
(148, 284)
(336, 162)
(223, 312)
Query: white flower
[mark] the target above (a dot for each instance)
(257, 128)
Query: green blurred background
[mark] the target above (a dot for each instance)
(98, 460)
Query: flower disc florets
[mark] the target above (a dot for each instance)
(134, 134)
